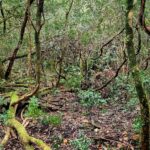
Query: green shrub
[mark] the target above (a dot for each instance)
(90, 98)
(53, 119)
(74, 78)
(145, 75)
(133, 102)
(1, 147)
(81, 143)
(33, 109)
(5, 116)
(73, 82)
(2, 101)
(137, 124)
(55, 91)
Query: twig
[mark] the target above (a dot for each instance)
(109, 41)
(116, 74)
(111, 140)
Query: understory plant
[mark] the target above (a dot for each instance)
(74, 78)
(81, 143)
(137, 124)
(54, 120)
(33, 109)
(89, 98)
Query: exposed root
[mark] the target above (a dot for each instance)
(26, 122)
(25, 96)
(13, 123)
(6, 137)
(21, 115)
(24, 136)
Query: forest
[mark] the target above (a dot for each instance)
(74, 75)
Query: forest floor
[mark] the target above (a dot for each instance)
(109, 126)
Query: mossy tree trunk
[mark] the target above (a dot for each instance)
(21, 37)
(144, 102)
(31, 45)
(1, 71)
(3, 16)
(38, 28)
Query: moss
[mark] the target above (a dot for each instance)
(25, 138)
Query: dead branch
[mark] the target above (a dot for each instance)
(141, 19)
(108, 42)
(139, 40)
(26, 96)
(116, 74)
(68, 12)
(17, 57)
(147, 63)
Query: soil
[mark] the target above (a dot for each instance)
(108, 126)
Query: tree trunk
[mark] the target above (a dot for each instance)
(144, 106)
(1, 71)
(3, 16)
(37, 28)
(21, 36)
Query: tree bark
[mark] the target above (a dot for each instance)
(144, 106)
(37, 28)
(21, 36)
(3, 16)
(1, 71)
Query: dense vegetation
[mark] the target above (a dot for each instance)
(74, 74)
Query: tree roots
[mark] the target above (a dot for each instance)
(13, 123)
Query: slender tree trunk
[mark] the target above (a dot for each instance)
(39, 14)
(3, 16)
(22, 31)
(29, 57)
(144, 106)
(1, 71)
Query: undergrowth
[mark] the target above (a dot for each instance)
(81, 143)
(89, 98)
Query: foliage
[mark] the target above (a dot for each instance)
(81, 143)
(35, 112)
(73, 82)
(55, 91)
(70, 34)
(33, 109)
(74, 79)
(6, 116)
(2, 101)
(1, 147)
(145, 75)
(132, 102)
(124, 84)
(119, 84)
(51, 119)
(90, 98)
(137, 124)
(57, 141)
